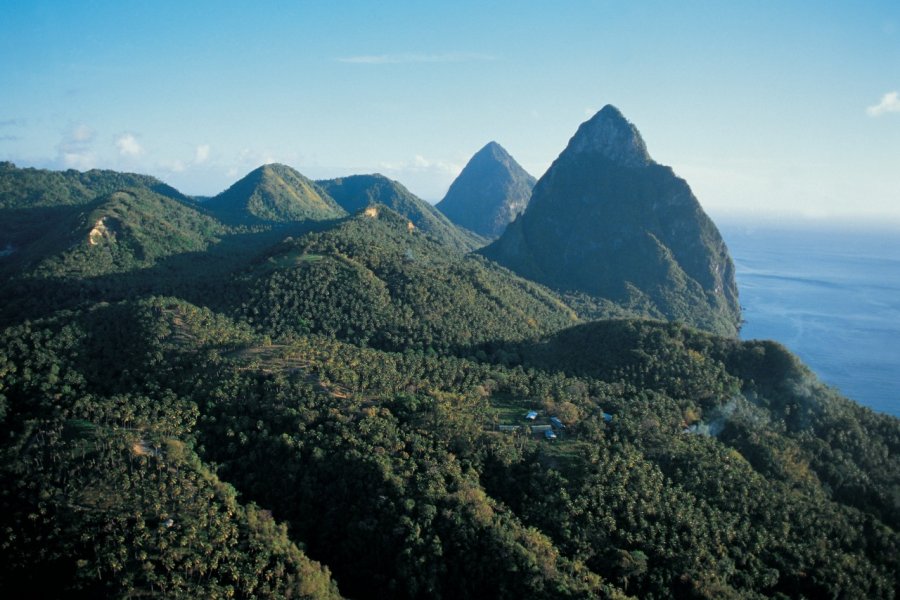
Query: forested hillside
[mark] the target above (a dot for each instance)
(352, 407)
(375, 279)
(357, 192)
(273, 193)
(38, 188)
(46, 213)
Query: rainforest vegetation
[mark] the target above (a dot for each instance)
(197, 407)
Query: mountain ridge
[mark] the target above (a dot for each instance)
(29, 187)
(356, 192)
(401, 287)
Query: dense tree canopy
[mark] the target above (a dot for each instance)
(339, 409)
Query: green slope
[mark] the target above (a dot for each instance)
(111, 500)
(124, 231)
(329, 422)
(379, 280)
(726, 470)
(273, 193)
(356, 192)
(36, 188)
(40, 209)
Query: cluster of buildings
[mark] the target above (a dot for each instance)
(550, 430)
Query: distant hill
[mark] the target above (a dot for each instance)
(46, 220)
(608, 221)
(126, 230)
(273, 193)
(40, 188)
(489, 193)
(356, 192)
(377, 280)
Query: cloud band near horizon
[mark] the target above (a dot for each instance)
(412, 58)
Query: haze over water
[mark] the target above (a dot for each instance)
(833, 298)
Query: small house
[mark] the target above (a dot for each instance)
(532, 415)
(540, 428)
(549, 434)
(557, 423)
(507, 428)
(607, 417)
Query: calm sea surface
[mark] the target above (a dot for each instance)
(833, 298)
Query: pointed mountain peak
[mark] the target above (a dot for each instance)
(606, 221)
(489, 193)
(492, 149)
(493, 152)
(610, 134)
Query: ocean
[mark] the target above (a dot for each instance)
(832, 297)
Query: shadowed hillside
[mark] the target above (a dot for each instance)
(608, 221)
(489, 193)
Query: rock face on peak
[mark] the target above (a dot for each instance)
(274, 193)
(609, 134)
(608, 221)
(489, 193)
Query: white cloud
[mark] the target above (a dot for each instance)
(427, 178)
(173, 166)
(201, 154)
(181, 165)
(421, 164)
(256, 158)
(82, 160)
(410, 58)
(250, 158)
(81, 133)
(128, 145)
(74, 150)
(890, 102)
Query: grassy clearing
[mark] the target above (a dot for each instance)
(289, 260)
(565, 454)
(512, 411)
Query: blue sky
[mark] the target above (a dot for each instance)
(770, 109)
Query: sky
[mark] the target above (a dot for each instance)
(770, 110)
